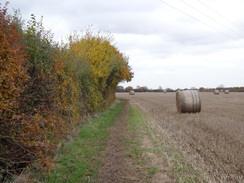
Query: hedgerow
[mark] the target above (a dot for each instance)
(46, 88)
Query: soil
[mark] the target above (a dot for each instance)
(119, 166)
(212, 140)
(116, 167)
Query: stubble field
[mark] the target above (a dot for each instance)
(212, 141)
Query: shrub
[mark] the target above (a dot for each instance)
(46, 88)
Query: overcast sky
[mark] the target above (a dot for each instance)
(170, 43)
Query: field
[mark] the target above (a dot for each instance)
(212, 141)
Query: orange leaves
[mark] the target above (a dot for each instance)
(100, 64)
(29, 122)
(45, 89)
(12, 73)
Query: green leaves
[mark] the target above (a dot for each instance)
(46, 88)
(104, 64)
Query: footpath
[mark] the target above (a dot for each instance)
(114, 147)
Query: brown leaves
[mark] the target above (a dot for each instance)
(45, 90)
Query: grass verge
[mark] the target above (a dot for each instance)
(164, 152)
(137, 126)
(75, 161)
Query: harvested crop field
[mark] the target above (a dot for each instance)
(212, 141)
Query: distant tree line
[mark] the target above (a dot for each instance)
(160, 89)
(142, 89)
(231, 89)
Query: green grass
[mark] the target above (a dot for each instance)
(78, 161)
(135, 119)
(136, 125)
(75, 162)
(153, 170)
(135, 122)
(179, 168)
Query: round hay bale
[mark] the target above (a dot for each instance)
(227, 91)
(188, 101)
(132, 92)
(216, 92)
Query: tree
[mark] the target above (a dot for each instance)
(128, 88)
(160, 89)
(101, 67)
(170, 90)
(221, 86)
(120, 89)
(201, 89)
(144, 89)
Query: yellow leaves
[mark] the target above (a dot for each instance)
(99, 65)
(95, 51)
(77, 80)
(5, 95)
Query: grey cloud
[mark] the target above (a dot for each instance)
(153, 35)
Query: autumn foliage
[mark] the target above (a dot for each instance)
(46, 89)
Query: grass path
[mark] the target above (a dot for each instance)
(115, 147)
(76, 161)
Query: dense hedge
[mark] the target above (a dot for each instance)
(47, 88)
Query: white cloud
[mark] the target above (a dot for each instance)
(166, 47)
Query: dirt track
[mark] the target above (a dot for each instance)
(119, 166)
(213, 140)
